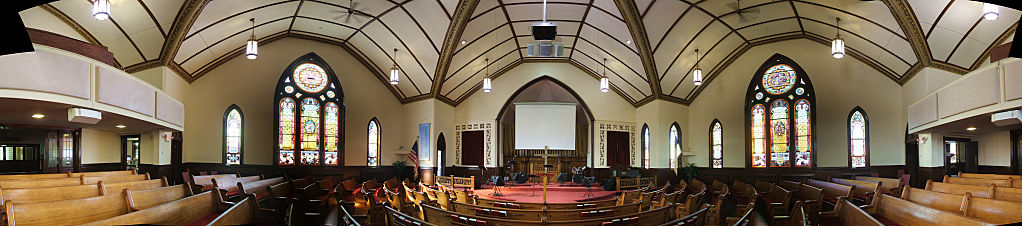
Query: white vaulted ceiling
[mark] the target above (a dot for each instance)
(649, 45)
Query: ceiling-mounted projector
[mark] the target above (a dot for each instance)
(544, 31)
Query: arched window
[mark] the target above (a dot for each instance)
(674, 139)
(716, 144)
(858, 138)
(780, 114)
(645, 146)
(233, 135)
(310, 109)
(374, 143)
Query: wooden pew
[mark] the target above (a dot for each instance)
(398, 218)
(936, 200)
(439, 216)
(797, 217)
(35, 176)
(115, 179)
(137, 185)
(690, 203)
(1008, 194)
(978, 181)
(778, 200)
(887, 185)
(229, 185)
(762, 186)
(847, 213)
(49, 194)
(466, 197)
(536, 215)
(627, 197)
(747, 217)
(811, 198)
(40, 183)
(144, 199)
(697, 218)
(831, 191)
(551, 206)
(104, 173)
(695, 186)
(861, 190)
(259, 187)
(192, 210)
(989, 176)
(890, 210)
(992, 211)
(66, 212)
(647, 218)
(246, 212)
(714, 214)
(788, 185)
(986, 191)
(205, 182)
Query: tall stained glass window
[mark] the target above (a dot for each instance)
(310, 113)
(759, 136)
(374, 143)
(717, 144)
(780, 112)
(645, 146)
(674, 139)
(331, 131)
(286, 143)
(233, 135)
(858, 136)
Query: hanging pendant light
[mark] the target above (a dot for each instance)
(837, 47)
(101, 9)
(697, 73)
(394, 71)
(252, 48)
(604, 82)
(487, 84)
(990, 11)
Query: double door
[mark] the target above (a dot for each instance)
(62, 148)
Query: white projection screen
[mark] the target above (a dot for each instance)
(538, 125)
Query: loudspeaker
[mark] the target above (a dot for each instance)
(544, 31)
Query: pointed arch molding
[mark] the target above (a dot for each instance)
(288, 89)
(241, 144)
(758, 95)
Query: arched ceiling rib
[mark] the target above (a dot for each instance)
(649, 44)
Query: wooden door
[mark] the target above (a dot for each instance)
(618, 149)
(472, 145)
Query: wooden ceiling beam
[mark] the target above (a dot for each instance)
(183, 22)
(633, 20)
(462, 14)
(902, 12)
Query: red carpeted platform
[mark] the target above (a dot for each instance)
(568, 193)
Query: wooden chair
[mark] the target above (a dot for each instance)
(763, 186)
(667, 200)
(144, 199)
(196, 209)
(464, 197)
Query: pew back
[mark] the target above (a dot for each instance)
(35, 176)
(861, 189)
(986, 191)
(932, 199)
(144, 199)
(181, 212)
(993, 211)
(398, 218)
(1008, 194)
(206, 181)
(989, 176)
(978, 181)
(849, 214)
(885, 183)
(66, 212)
(49, 194)
(904, 212)
(40, 183)
(104, 173)
(831, 191)
(136, 185)
(245, 212)
(230, 184)
(115, 179)
(259, 187)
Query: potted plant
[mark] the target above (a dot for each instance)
(399, 169)
(690, 172)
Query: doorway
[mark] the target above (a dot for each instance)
(960, 155)
(131, 148)
(441, 147)
(618, 150)
(61, 146)
(472, 148)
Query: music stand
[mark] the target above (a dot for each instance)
(588, 183)
(497, 182)
(532, 185)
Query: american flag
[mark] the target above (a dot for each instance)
(413, 155)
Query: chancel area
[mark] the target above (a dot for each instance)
(511, 112)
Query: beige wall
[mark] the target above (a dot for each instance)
(995, 149)
(100, 147)
(250, 84)
(840, 84)
(659, 115)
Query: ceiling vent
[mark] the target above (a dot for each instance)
(1006, 118)
(542, 49)
(82, 115)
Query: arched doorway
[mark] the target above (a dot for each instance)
(441, 154)
(547, 90)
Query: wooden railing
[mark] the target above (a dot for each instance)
(634, 183)
(454, 182)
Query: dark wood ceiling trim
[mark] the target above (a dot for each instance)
(793, 9)
(605, 33)
(477, 56)
(596, 76)
(484, 12)
(130, 40)
(374, 19)
(856, 16)
(513, 32)
(676, 100)
(615, 73)
(1000, 39)
(443, 7)
(295, 16)
(74, 26)
(176, 68)
(410, 53)
(619, 18)
(703, 56)
(153, 17)
(450, 48)
(243, 31)
(465, 95)
(447, 101)
(965, 36)
(182, 23)
(673, 25)
(918, 66)
(469, 43)
(473, 74)
(423, 30)
(682, 50)
(284, 34)
(579, 30)
(221, 20)
(145, 65)
(910, 26)
(863, 38)
(416, 98)
(650, 6)
(638, 29)
(615, 57)
(859, 55)
(386, 53)
(940, 16)
(716, 18)
(329, 22)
